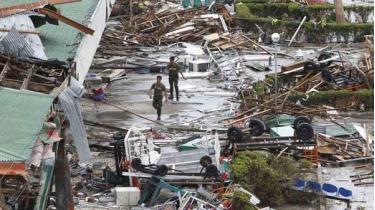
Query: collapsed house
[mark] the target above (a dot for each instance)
(46, 51)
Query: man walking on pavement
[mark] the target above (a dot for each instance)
(158, 88)
(173, 69)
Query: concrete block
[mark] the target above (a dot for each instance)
(127, 196)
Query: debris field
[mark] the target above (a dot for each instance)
(271, 108)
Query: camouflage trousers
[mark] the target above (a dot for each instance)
(157, 103)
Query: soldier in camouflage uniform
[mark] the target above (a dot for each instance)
(173, 69)
(158, 88)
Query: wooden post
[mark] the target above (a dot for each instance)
(295, 33)
(131, 12)
(64, 197)
(340, 15)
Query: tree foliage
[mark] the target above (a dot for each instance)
(269, 178)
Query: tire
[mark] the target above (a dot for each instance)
(325, 56)
(118, 136)
(304, 131)
(234, 134)
(161, 170)
(311, 66)
(136, 164)
(205, 161)
(257, 127)
(299, 120)
(211, 171)
(327, 76)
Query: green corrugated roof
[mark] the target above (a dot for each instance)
(61, 41)
(22, 114)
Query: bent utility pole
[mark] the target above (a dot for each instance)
(340, 15)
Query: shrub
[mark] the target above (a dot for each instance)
(242, 10)
(267, 178)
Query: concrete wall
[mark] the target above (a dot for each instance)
(87, 48)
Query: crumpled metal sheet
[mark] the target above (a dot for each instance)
(14, 44)
(69, 100)
(18, 44)
(186, 161)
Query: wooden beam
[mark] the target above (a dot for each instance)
(291, 66)
(13, 169)
(7, 11)
(26, 81)
(49, 79)
(295, 33)
(57, 90)
(62, 1)
(4, 71)
(20, 31)
(256, 44)
(66, 20)
(33, 86)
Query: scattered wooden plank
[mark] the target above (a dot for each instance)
(292, 66)
(250, 116)
(4, 71)
(62, 1)
(33, 86)
(256, 44)
(26, 81)
(21, 31)
(66, 20)
(11, 10)
(7, 11)
(295, 33)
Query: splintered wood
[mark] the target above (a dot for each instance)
(339, 149)
(29, 76)
(155, 26)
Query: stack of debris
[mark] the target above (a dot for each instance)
(165, 24)
(159, 176)
(343, 150)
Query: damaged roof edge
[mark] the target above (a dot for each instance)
(87, 48)
(23, 113)
(61, 41)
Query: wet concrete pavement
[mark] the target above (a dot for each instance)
(196, 96)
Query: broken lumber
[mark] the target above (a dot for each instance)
(295, 33)
(20, 31)
(66, 20)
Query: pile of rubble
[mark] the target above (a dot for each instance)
(162, 168)
(166, 23)
(158, 175)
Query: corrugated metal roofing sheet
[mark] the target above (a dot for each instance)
(14, 44)
(69, 100)
(61, 41)
(22, 114)
(23, 22)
